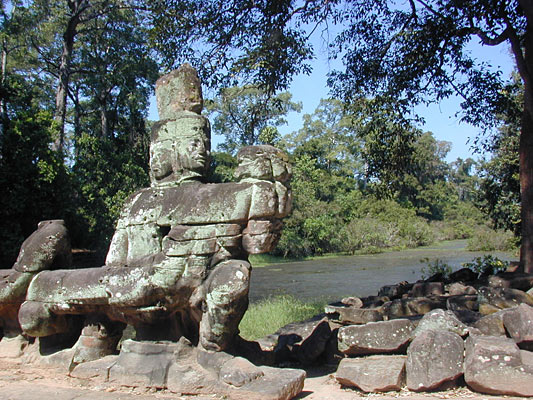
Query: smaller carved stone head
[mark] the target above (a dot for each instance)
(263, 162)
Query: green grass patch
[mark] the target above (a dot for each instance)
(268, 315)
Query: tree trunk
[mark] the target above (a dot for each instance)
(76, 8)
(526, 192)
(3, 103)
(526, 160)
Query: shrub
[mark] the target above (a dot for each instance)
(435, 267)
(268, 315)
(486, 239)
(368, 234)
(487, 265)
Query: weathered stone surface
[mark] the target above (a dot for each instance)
(426, 289)
(463, 275)
(518, 323)
(273, 384)
(95, 371)
(458, 289)
(462, 302)
(239, 371)
(352, 315)
(13, 347)
(263, 162)
(301, 341)
(143, 364)
(354, 302)
(433, 358)
(372, 374)
(493, 299)
(519, 281)
(178, 91)
(441, 320)
(412, 306)
(46, 248)
(494, 365)
(492, 324)
(375, 337)
(395, 291)
(374, 301)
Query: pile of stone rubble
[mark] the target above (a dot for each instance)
(430, 335)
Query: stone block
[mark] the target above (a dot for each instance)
(434, 358)
(412, 306)
(441, 320)
(463, 275)
(492, 324)
(375, 337)
(143, 364)
(518, 323)
(494, 365)
(352, 315)
(395, 291)
(301, 341)
(458, 289)
(425, 289)
(372, 374)
(492, 299)
(13, 347)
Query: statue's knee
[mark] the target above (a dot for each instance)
(228, 281)
(37, 320)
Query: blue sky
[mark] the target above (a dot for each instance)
(439, 118)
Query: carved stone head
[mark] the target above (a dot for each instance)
(181, 141)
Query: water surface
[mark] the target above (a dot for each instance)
(331, 279)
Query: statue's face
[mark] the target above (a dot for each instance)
(181, 156)
(161, 154)
(196, 156)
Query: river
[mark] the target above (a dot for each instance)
(329, 279)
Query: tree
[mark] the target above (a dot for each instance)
(330, 137)
(418, 54)
(245, 115)
(414, 52)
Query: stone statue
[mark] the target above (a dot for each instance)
(178, 258)
(47, 248)
(177, 268)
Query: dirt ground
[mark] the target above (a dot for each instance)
(30, 382)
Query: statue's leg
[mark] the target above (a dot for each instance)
(226, 303)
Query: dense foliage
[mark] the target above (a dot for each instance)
(76, 79)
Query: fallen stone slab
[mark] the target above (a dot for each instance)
(352, 301)
(375, 337)
(492, 324)
(492, 299)
(434, 358)
(518, 323)
(458, 289)
(441, 320)
(493, 365)
(372, 374)
(463, 275)
(301, 341)
(412, 306)
(395, 291)
(426, 289)
(267, 383)
(353, 316)
(95, 371)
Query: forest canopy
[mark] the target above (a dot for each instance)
(77, 76)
